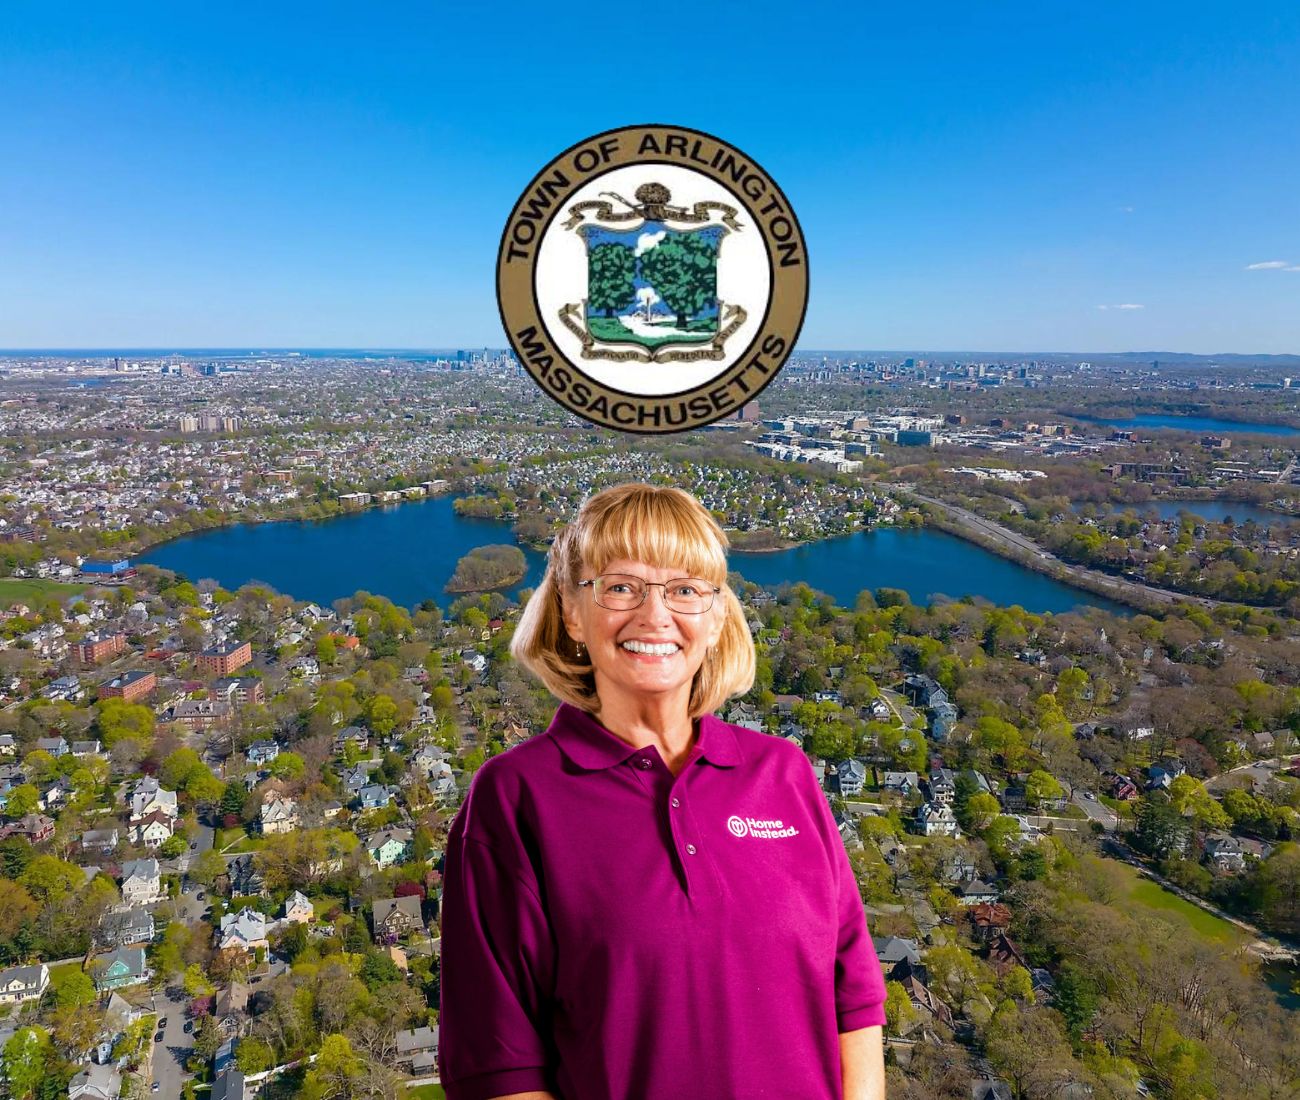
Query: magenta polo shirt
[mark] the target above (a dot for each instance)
(610, 932)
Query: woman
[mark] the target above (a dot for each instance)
(647, 902)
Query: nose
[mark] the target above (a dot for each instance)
(655, 607)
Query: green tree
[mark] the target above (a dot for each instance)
(76, 989)
(683, 270)
(173, 846)
(288, 766)
(24, 1061)
(381, 714)
(611, 269)
(254, 1056)
(23, 800)
(49, 879)
(1040, 786)
(121, 721)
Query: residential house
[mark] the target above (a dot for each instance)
(903, 784)
(66, 689)
(389, 846)
(229, 1085)
(55, 746)
(428, 761)
(1224, 853)
(279, 815)
(943, 786)
(891, 950)
(262, 753)
(374, 797)
(852, 777)
(19, 984)
(1005, 955)
(354, 736)
(35, 827)
(83, 749)
(125, 927)
(141, 882)
(243, 931)
(397, 917)
(923, 691)
(1123, 788)
(246, 880)
(936, 819)
(123, 967)
(417, 1050)
(148, 796)
(152, 830)
(230, 1010)
(96, 1082)
(943, 719)
(976, 893)
(101, 841)
(8, 746)
(298, 909)
(988, 918)
(1160, 776)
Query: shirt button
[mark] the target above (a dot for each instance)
(690, 849)
(676, 802)
(644, 763)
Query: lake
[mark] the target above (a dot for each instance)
(1216, 510)
(1164, 422)
(408, 552)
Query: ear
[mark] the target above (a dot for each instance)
(569, 610)
(719, 613)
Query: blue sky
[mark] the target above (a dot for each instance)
(968, 176)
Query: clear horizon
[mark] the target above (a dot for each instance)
(308, 177)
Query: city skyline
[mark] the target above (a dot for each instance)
(315, 180)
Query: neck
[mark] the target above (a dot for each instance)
(662, 721)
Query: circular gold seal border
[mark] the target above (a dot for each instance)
(546, 197)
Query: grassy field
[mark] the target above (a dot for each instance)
(1144, 892)
(426, 1092)
(60, 974)
(34, 591)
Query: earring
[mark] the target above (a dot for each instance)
(581, 650)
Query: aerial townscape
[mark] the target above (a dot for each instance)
(1034, 620)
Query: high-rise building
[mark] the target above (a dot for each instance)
(189, 424)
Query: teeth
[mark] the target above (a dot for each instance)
(663, 650)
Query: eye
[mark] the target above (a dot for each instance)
(618, 588)
(686, 589)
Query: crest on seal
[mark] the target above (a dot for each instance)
(652, 278)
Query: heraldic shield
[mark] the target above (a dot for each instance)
(652, 279)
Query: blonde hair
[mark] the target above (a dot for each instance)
(660, 526)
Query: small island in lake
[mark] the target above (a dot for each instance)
(487, 568)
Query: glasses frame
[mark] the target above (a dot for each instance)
(645, 595)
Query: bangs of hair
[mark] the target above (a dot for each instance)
(663, 527)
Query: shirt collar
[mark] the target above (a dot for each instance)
(592, 747)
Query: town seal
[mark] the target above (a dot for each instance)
(652, 279)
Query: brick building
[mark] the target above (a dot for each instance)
(99, 647)
(129, 687)
(224, 659)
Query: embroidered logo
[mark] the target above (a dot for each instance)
(762, 827)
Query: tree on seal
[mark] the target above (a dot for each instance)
(611, 269)
(684, 270)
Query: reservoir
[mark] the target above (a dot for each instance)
(408, 552)
(1163, 422)
(1214, 510)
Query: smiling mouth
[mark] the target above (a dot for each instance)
(655, 649)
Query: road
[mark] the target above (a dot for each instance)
(170, 1056)
(1119, 588)
(1259, 771)
(1096, 811)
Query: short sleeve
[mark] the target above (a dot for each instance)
(859, 981)
(497, 970)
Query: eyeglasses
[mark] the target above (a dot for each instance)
(621, 592)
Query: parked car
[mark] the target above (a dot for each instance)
(158, 1038)
(189, 1026)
